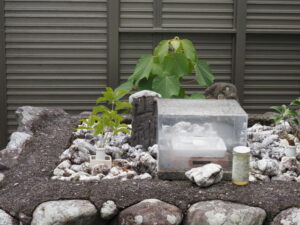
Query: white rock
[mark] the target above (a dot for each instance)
(143, 162)
(153, 150)
(58, 172)
(88, 178)
(284, 177)
(108, 210)
(119, 139)
(144, 176)
(17, 140)
(67, 154)
(289, 164)
(84, 146)
(268, 166)
(64, 164)
(80, 157)
(113, 151)
(75, 167)
(144, 93)
(206, 175)
(269, 140)
(75, 212)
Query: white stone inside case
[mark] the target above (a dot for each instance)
(198, 146)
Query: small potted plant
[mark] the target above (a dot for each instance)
(108, 123)
(287, 116)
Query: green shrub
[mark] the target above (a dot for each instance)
(163, 71)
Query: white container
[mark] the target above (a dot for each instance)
(240, 165)
(194, 132)
(100, 153)
(290, 151)
(100, 159)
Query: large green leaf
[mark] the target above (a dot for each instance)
(146, 84)
(157, 69)
(167, 86)
(128, 85)
(189, 50)
(100, 109)
(280, 109)
(161, 50)
(204, 74)
(296, 102)
(143, 68)
(176, 64)
(122, 105)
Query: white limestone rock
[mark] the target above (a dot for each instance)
(206, 175)
(2, 176)
(153, 150)
(144, 93)
(143, 176)
(289, 164)
(18, 140)
(268, 166)
(143, 162)
(108, 210)
(75, 212)
(84, 146)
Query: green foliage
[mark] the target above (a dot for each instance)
(163, 71)
(286, 114)
(109, 119)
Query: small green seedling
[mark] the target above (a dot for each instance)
(106, 120)
(288, 115)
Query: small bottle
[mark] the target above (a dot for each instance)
(240, 165)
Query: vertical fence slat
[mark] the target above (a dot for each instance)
(113, 43)
(157, 13)
(240, 47)
(3, 105)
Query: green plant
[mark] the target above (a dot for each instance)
(109, 122)
(288, 115)
(163, 71)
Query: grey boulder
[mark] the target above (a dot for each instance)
(289, 216)
(206, 175)
(220, 213)
(65, 212)
(149, 212)
(6, 219)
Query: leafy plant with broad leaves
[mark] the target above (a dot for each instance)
(106, 120)
(288, 115)
(163, 71)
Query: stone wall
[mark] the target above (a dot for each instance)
(149, 212)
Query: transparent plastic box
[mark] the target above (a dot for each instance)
(194, 132)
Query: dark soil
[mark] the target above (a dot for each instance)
(28, 184)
